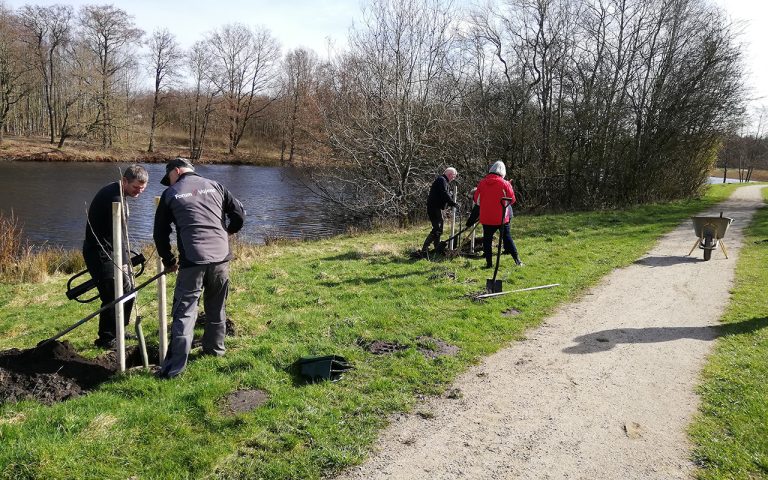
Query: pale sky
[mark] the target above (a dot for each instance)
(754, 15)
(295, 23)
(312, 23)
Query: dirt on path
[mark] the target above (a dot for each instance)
(603, 389)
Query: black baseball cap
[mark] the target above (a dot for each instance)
(177, 162)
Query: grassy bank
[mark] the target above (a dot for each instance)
(296, 299)
(168, 146)
(731, 432)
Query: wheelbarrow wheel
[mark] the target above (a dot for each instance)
(709, 245)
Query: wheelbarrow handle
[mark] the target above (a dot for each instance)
(74, 293)
(105, 307)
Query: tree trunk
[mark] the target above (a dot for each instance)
(153, 124)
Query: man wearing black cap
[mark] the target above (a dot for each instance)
(204, 215)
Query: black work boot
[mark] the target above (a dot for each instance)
(439, 247)
(425, 247)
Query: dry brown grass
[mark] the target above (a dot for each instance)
(21, 263)
(757, 175)
(100, 426)
(168, 146)
(11, 243)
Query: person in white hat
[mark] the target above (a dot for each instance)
(495, 214)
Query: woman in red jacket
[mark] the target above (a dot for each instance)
(493, 215)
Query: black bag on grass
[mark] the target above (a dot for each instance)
(328, 367)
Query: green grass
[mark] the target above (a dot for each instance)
(731, 431)
(296, 299)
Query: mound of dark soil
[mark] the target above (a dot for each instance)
(202, 318)
(417, 255)
(55, 372)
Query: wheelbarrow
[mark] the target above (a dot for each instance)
(709, 234)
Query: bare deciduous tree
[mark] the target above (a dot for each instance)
(78, 97)
(595, 97)
(201, 105)
(13, 67)
(165, 59)
(47, 31)
(108, 33)
(299, 76)
(394, 108)
(245, 60)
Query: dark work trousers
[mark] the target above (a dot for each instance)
(212, 281)
(436, 217)
(506, 237)
(101, 268)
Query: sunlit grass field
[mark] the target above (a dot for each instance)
(290, 300)
(731, 432)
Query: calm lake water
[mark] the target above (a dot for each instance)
(51, 200)
(716, 180)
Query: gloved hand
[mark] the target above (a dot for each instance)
(172, 265)
(474, 216)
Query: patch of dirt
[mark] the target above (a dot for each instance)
(202, 318)
(380, 347)
(511, 312)
(431, 255)
(55, 372)
(477, 296)
(242, 401)
(434, 347)
(416, 255)
(443, 275)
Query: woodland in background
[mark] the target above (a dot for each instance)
(590, 103)
(742, 153)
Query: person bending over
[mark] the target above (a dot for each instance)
(438, 199)
(204, 215)
(97, 249)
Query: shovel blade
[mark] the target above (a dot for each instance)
(492, 285)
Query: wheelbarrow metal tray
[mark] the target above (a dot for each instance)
(717, 225)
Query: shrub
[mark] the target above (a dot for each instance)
(20, 262)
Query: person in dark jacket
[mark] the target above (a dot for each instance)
(493, 214)
(97, 248)
(474, 214)
(438, 199)
(204, 215)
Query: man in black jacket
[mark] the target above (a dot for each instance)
(97, 248)
(204, 215)
(438, 199)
